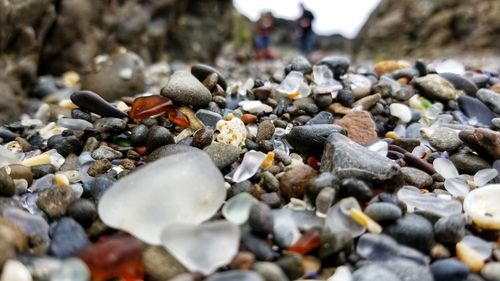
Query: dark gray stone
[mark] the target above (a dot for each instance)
(449, 270)
(184, 88)
(474, 108)
(383, 211)
(460, 83)
(413, 231)
(450, 229)
(222, 154)
(311, 138)
(68, 238)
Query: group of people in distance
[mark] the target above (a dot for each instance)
(303, 33)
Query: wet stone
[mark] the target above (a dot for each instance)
(83, 211)
(435, 87)
(92, 102)
(346, 159)
(474, 108)
(265, 131)
(413, 231)
(106, 152)
(139, 135)
(222, 154)
(292, 266)
(460, 83)
(201, 71)
(236, 275)
(491, 271)
(449, 270)
(360, 127)
(99, 167)
(295, 180)
(490, 98)
(300, 64)
(450, 229)
(468, 163)
(311, 138)
(54, 201)
(261, 219)
(259, 247)
(7, 186)
(160, 265)
(65, 145)
(108, 125)
(208, 118)
(416, 177)
(373, 272)
(383, 211)
(202, 138)
(338, 65)
(184, 88)
(270, 271)
(158, 136)
(68, 238)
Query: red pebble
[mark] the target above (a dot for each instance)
(145, 107)
(178, 118)
(313, 162)
(118, 257)
(248, 118)
(309, 241)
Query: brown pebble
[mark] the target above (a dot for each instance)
(132, 154)
(265, 131)
(25, 145)
(243, 261)
(210, 81)
(99, 167)
(262, 93)
(360, 127)
(294, 181)
(338, 108)
(202, 138)
(218, 91)
(406, 143)
(439, 251)
(414, 161)
(367, 102)
(18, 171)
(128, 164)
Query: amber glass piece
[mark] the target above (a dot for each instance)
(178, 118)
(118, 257)
(141, 150)
(145, 107)
(313, 162)
(309, 241)
(248, 118)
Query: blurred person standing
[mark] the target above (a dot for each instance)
(263, 29)
(304, 30)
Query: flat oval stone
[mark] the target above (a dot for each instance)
(490, 98)
(184, 88)
(311, 138)
(184, 187)
(474, 108)
(460, 83)
(94, 103)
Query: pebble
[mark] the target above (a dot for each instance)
(201, 71)
(99, 167)
(185, 89)
(68, 238)
(300, 64)
(259, 247)
(460, 83)
(294, 181)
(373, 272)
(55, 200)
(435, 87)
(367, 102)
(7, 186)
(139, 134)
(208, 118)
(468, 163)
(292, 266)
(449, 269)
(346, 158)
(270, 271)
(484, 141)
(490, 98)
(401, 111)
(474, 108)
(160, 265)
(203, 138)
(65, 145)
(413, 231)
(491, 271)
(383, 211)
(236, 275)
(158, 136)
(222, 154)
(83, 211)
(359, 126)
(445, 139)
(106, 152)
(92, 102)
(265, 131)
(110, 124)
(72, 269)
(450, 229)
(261, 219)
(14, 270)
(416, 177)
(338, 65)
(311, 138)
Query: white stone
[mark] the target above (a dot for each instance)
(202, 248)
(400, 111)
(237, 209)
(482, 205)
(13, 270)
(255, 106)
(182, 188)
(445, 168)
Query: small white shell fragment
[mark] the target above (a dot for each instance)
(231, 132)
(445, 168)
(482, 205)
(202, 248)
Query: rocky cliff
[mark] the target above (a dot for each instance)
(53, 36)
(429, 28)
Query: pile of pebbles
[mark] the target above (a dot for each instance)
(314, 172)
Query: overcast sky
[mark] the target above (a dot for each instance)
(332, 16)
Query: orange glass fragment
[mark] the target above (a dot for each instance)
(117, 257)
(248, 118)
(178, 118)
(145, 107)
(141, 150)
(309, 241)
(313, 162)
